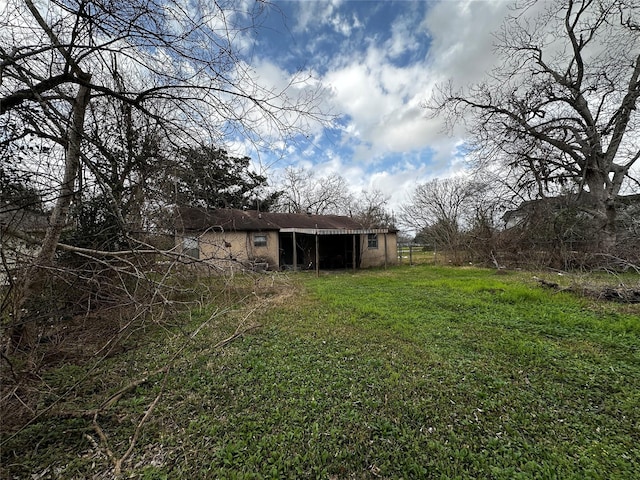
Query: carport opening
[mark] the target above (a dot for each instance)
(335, 251)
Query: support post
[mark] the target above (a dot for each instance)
(317, 255)
(386, 254)
(411, 254)
(295, 253)
(353, 254)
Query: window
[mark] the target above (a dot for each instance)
(259, 240)
(372, 240)
(191, 247)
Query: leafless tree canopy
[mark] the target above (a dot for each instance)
(446, 213)
(96, 95)
(174, 61)
(561, 110)
(449, 200)
(372, 210)
(305, 191)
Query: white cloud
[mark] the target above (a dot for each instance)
(383, 99)
(379, 83)
(403, 38)
(461, 37)
(383, 103)
(379, 86)
(313, 13)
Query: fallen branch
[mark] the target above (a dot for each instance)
(111, 401)
(237, 334)
(620, 294)
(118, 395)
(117, 462)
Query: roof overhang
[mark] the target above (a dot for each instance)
(334, 231)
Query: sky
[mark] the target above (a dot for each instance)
(378, 62)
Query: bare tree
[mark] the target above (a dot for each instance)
(561, 109)
(371, 209)
(175, 65)
(303, 191)
(441, 210)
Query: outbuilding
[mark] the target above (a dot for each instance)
(282, 241)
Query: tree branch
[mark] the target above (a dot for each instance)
(16, 98)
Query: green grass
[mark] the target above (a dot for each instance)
(416, 372)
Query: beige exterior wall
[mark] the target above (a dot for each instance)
(375, 257)
(224, 249)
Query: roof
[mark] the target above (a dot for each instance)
(582, 200)
(18, 218)
(195, 219)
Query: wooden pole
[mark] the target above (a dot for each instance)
(295, 253)
(410, 254)
(317, 254)
(386, 256)
(353, 254)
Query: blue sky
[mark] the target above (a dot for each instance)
(378, 61)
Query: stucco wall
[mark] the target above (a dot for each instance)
(375, 257)
(228, 248)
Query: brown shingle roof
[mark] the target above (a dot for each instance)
(250, 220)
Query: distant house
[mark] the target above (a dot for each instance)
(281, 241)
(544, 210)
(17, 252)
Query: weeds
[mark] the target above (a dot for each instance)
(406, 373)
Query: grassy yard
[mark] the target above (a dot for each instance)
(416, 372)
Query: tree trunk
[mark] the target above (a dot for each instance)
(72, 164)
(604, 211)
(608, 235)
(27, 286)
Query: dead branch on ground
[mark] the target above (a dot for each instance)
(113, 399)
(620, 293)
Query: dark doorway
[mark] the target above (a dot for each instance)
(336, 251)
(305, 251)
